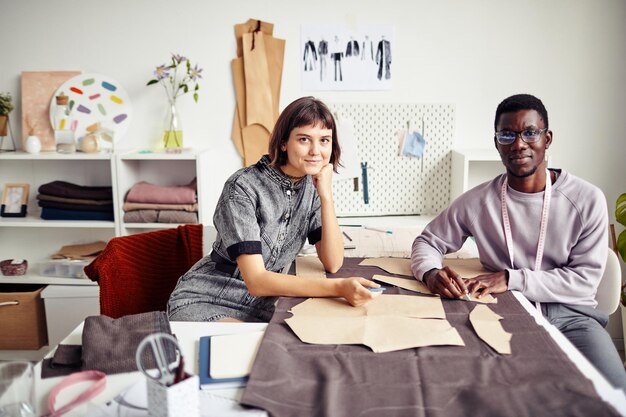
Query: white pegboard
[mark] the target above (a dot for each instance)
(397, 184)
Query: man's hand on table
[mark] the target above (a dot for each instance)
(492, 283)
(445, 282)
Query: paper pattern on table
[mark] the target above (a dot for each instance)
(309, 267)
(412, 284)
(385, 324)
(487, 325)
(398, 266)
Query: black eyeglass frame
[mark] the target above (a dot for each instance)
(535, 132)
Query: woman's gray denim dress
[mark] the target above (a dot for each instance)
(262, 212)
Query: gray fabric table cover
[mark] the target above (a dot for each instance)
(291, 378)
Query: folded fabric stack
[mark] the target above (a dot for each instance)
(149, 203)
(60, 200)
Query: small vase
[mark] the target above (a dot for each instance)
(4, 124)
(32, 144)
(173, 131)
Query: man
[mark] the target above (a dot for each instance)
(541, 232)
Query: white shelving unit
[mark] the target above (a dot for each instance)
(35, 239)
(471, 167)
(69, 300)
(165, 170)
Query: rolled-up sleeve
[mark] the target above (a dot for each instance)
(238, 226)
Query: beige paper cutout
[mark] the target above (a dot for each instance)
(399, 266)
(410, 284)
(467, 268)
(237, 70)
(256, 141)
(419, 286)
(275, 51)
(487, 325)
(381, 334)
(259, 106)
(310, 267)
(257, 74)
(401, 305)
(385, 324)
(236, 136)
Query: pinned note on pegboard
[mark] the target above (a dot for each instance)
(396, 183)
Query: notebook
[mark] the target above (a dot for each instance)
(225, 361)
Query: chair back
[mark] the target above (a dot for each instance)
(609, 289)
(137, 273)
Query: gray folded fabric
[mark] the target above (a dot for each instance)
(109, 345)
(160, 216)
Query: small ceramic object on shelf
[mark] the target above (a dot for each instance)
(32, 144)
(13, 267)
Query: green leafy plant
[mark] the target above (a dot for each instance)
(6, 103)
(620, 217)
(176, 80)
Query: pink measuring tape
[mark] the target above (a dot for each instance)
(544, 222)
(99, 384)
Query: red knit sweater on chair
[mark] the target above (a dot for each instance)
(137, 273)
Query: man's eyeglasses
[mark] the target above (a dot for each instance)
(507, 137)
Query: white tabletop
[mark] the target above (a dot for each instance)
(188, 334)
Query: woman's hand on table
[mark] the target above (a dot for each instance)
(356, 290)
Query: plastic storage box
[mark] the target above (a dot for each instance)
(64, 268)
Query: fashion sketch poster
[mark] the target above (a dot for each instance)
(334, 57)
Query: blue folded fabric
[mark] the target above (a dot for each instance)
(49, 213)
(414, 145)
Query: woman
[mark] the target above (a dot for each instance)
(263, 217)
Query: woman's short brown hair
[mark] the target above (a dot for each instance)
(305, 111)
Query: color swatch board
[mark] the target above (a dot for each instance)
(397, 184)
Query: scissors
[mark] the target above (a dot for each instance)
(161, 344)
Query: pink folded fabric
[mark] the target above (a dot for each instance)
(156, 206)
(144, 192)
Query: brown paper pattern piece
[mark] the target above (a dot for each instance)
(258, 89)
(256, 141)
(399, 266)
(412, 284)
(487, 325)
(385, 324)
(310, 267)
(249, 27)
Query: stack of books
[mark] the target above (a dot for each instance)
(225, 361)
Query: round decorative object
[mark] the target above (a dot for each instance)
(13, 267)
(95, 101)
(32, 144)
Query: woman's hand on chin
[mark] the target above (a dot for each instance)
(323, 181)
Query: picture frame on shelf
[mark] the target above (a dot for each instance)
(14, 200)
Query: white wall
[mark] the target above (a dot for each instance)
(473, 53)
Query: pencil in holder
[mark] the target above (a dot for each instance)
(177, 400)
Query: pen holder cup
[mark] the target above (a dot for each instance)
(178, 400)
